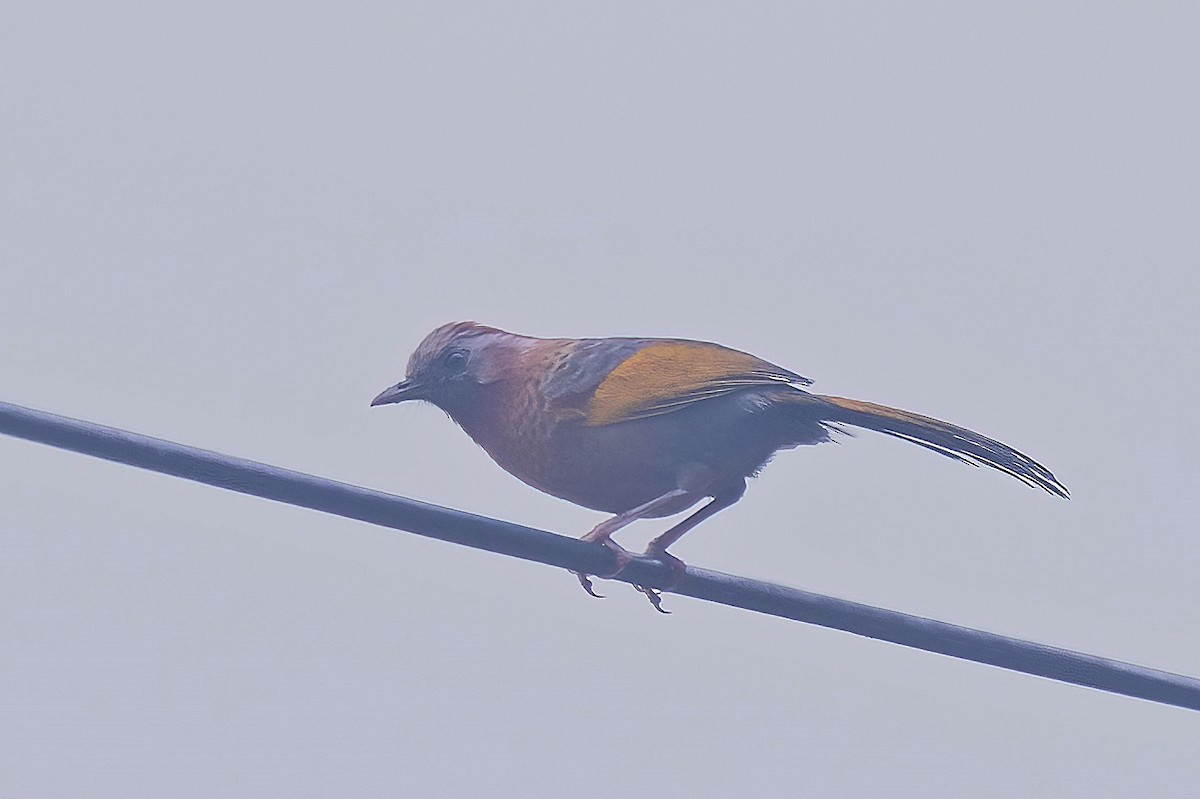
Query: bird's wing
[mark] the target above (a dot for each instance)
(658, 376)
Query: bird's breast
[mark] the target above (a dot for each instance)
(514, 426)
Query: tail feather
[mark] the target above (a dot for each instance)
(943, 438)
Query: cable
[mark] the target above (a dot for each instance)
(399, 513)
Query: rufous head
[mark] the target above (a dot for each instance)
(452, 365)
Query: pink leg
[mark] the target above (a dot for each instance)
(658, 547)
(602, 533)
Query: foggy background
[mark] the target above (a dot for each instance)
(228, 224)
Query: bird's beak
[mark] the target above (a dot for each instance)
(404, 390)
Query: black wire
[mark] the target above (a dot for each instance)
(399, 513)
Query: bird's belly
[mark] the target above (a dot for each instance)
(600, 478)
(619, 466)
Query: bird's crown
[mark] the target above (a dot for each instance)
(442, 339)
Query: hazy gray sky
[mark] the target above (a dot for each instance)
(228, 224)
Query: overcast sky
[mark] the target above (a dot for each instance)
(227, 224)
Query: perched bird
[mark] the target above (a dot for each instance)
(648, 427)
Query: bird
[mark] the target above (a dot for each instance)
(650, 427)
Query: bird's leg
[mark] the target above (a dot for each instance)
(623, 557)
(657, 548)
(602, 533)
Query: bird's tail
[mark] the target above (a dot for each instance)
(941, 437)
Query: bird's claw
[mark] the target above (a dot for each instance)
(654, 596)
(623, 558)
(585, 580)
(677, 567)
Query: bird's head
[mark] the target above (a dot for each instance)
(454, 363)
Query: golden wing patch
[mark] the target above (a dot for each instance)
(667, 375)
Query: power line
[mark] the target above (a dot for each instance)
(399, 513)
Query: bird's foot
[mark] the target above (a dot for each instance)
(678, 569)
(623, 557)
(654, 596)
(585, 580)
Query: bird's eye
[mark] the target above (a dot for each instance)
(455, 359)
